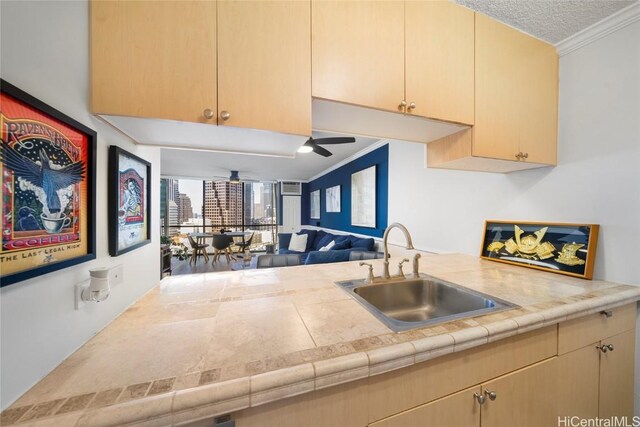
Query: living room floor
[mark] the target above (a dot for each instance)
(201, 266)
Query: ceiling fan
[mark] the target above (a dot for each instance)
(234, 178)
(315, 144)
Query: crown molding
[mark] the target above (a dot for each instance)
(354, 156)
(608, 25)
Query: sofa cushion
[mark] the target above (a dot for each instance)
(311, 237)
(283, 240)
(320, 235)
(317, 257)
(342, 244)
(366, 243)
(298, 242)
(329, 245)
(324, 241)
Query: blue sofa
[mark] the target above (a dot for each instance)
(345, 244)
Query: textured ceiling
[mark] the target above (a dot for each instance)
(552, 21)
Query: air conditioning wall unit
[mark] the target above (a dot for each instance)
(290, 188)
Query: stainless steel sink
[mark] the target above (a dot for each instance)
(412, 303)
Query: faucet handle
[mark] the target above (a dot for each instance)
(370, 276)
(416, 268)
(400, 273)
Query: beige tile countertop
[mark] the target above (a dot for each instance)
(207, 344)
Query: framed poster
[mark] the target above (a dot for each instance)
(48, 169)
(129, 201)
(363, 198)
(315, 204)
(333, 198)
(559, 248)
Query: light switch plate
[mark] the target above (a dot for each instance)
(116, 275)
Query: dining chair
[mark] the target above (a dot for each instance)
(245, 244)
(221, 244)
(197, 249)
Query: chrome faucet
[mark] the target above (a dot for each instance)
(407, 236)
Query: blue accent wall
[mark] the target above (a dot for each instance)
(342, 176)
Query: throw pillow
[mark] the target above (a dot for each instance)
(328, 246)
(298, 242)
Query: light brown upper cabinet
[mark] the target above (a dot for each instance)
(439, 57)
(264, 65)
(516, 105)
(516, 95)
(159, 60)
(154, 59)
(358, 52)
(413, 57)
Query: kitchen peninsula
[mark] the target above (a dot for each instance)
(244, 343)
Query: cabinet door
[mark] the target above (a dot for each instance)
(523, 398)
(578, 383)
(457, 410)
(516, 79)
(439, 45)
(616, 376)
(264, 65)
(498, 53)
(154, 59)
(538, 101)
(358, 52)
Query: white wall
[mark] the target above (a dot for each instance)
(45, 52)
(597, 179)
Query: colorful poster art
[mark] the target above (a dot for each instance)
(47, 167)
(129, 201)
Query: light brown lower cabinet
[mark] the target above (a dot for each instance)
(597, 381)
(522, 398)
(616, 376)
(457, 410)
(524, 380)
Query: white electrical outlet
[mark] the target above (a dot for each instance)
(79, 302)
(116, 275)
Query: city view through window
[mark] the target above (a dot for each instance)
(196, 206)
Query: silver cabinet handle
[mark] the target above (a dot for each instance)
(479, 398)
(491, 394)
(607, 313)
(411, 106)
(224, 115)
(605, 347)
(208, 113)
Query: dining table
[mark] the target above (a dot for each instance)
(201, 237)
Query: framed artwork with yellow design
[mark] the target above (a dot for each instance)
(555, 247)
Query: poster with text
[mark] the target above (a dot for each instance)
(47, 166)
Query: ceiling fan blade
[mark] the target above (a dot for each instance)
(336, 140)
(322, 151)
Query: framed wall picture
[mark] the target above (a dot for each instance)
(129, 201)
(315, 204)
(363, 198)
(333, 198)
(48, 169)
(559, 248)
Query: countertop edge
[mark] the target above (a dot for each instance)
(193, 404)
